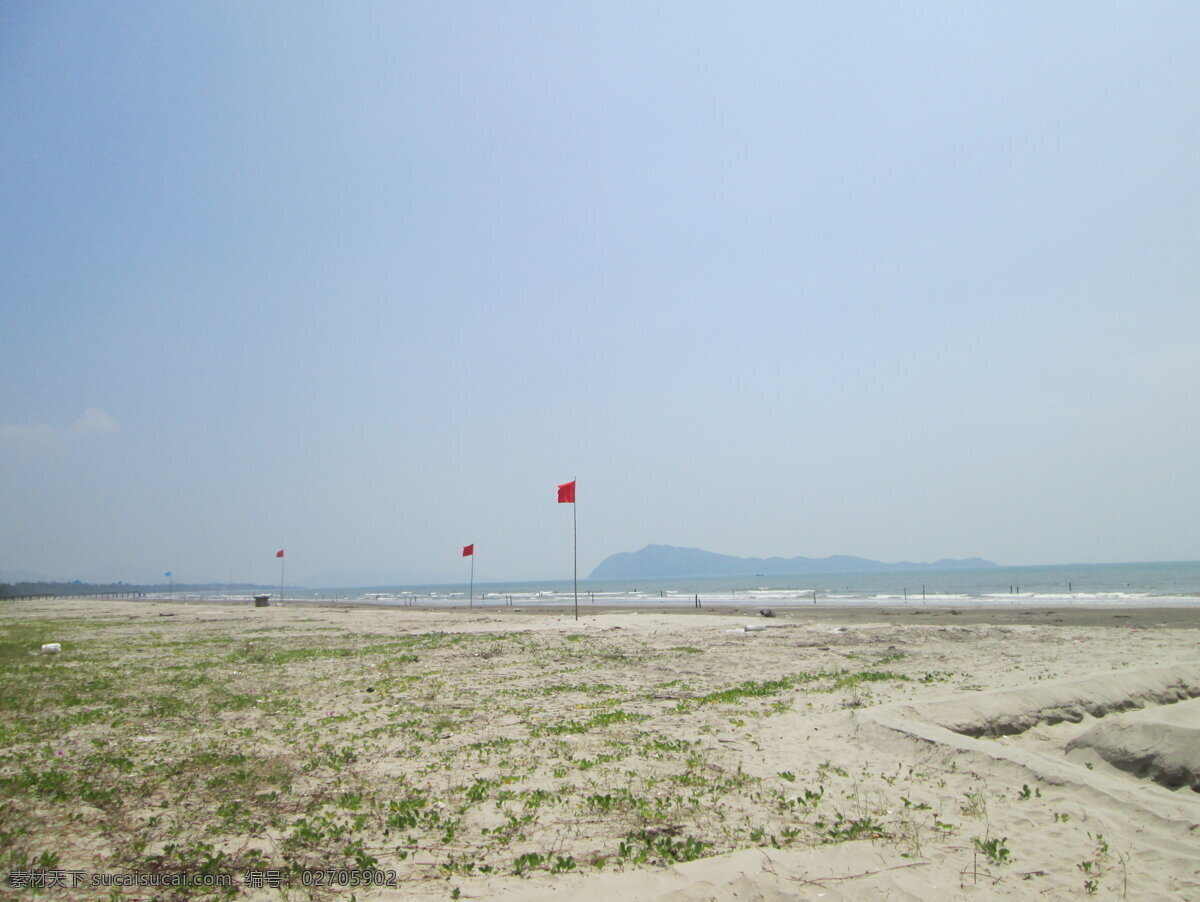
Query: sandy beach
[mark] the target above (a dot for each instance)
(497, 753)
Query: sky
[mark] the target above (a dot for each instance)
(367, 281)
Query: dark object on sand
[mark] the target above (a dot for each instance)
(261, 601)
(766, 612)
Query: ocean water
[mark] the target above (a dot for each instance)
(1148, 584)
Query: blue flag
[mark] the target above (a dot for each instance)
(168, 573)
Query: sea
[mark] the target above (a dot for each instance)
(1159, 584)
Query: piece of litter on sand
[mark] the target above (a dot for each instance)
(51, 648)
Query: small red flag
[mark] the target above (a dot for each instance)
(566, 493)
(468, 550)
(279, 553)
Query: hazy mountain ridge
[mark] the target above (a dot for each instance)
(668, 561)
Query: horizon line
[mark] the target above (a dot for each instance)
(179, 586)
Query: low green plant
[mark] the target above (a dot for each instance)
(1094, 868)
(527, 862)
(975, 805)
(659, 847)
(996, 850)
(843, 829)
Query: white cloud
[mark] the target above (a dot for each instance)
(95, 420)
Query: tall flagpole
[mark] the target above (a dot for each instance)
(566, 495)
(575, 537)
(472, 601)
(282, 566)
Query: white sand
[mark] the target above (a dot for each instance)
(976, 744)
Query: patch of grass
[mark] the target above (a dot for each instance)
(595, 722)
(748, 689)
(843, 829)
(659, 847)
(560, 688)
(845, 680)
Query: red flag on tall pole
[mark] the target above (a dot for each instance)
(282, 562)
(469, 551)
(566, 495)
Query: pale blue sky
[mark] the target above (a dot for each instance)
(904, 281)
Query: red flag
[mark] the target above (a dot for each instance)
(468, 550)
(279, 553)
(566, 493)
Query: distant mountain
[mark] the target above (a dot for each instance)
(667, 560)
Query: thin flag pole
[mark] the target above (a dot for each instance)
(566, 495)
(282, 567)
(575, 542)
(469, 551)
